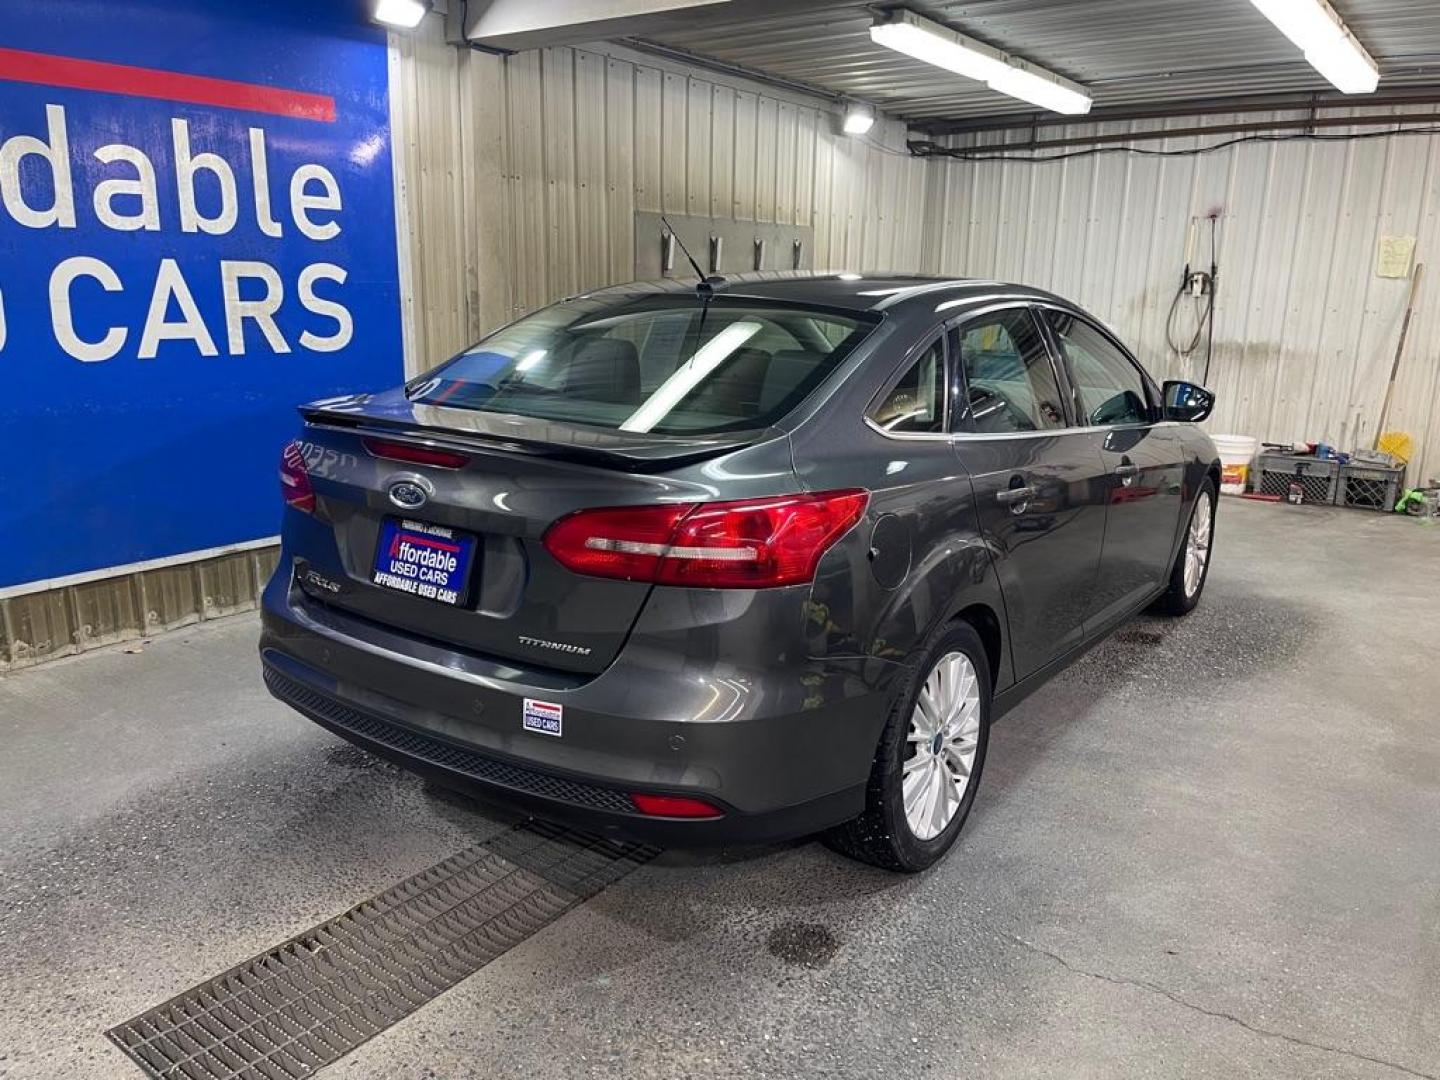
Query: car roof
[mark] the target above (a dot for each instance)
(875, 292)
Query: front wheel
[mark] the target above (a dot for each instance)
(927, 766)
(1192, 564)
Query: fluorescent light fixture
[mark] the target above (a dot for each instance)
(848, 275)
(924, 39)
(1029, 83)
(1326, 41)
(914, 35)
(859, 118)
(405, 14)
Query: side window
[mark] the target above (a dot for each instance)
(1010, 382)
(1110, 388)
(916, 404)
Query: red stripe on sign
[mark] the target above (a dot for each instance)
(429, 542)
(18, 65)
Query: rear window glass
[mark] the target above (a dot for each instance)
(649, 365)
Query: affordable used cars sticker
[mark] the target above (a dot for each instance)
(542, 717)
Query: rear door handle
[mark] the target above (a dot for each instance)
(1016, 496)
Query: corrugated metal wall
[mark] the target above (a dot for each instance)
(521, 175)
(518, 180)
(1304, 329)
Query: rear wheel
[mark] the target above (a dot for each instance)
(1192, 563)
(927, 767)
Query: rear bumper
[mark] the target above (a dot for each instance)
(573, 800)
(786, 753)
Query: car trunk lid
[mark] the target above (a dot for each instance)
(512, 478)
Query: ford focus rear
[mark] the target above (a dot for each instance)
(666, 563)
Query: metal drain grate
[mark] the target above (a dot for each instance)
(303, 1005)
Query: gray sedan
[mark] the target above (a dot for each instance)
(746, 561)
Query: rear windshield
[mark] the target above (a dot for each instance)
(649, 365)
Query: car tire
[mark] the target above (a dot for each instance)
(883, 835)
(1183, 592)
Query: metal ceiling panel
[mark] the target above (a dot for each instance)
(1128, 52)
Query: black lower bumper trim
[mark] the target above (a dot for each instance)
(575, 802)
(440, 753)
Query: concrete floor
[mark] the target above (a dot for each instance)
(1210, 849)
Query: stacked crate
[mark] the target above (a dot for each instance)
(1326, 482)
(1370, 487)
(1319, 478)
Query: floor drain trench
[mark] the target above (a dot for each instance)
(308, 1002)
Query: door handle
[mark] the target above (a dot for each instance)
(1016, 498)
(1127, 472)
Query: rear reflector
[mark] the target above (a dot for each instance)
(673, 806)
(415, 454)
(746, 544)
(294, 480)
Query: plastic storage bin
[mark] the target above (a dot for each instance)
(1319, 478)
(1370, 487)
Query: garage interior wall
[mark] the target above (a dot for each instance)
(1305, 331)
(521, 175)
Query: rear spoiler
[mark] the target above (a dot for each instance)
(623, 451)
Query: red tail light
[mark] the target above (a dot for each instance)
(673, 806)
(746, 544)
(415, 454)
(294, 480)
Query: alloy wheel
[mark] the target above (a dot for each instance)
(943, 739)
(1197, 544)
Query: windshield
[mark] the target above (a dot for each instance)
(649, 364)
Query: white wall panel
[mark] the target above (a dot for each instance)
(519, 177)
(1304, 329)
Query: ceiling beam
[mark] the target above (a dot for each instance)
(1246, 103)
(1312, 125)
(513, 25)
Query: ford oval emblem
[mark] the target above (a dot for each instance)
(407, 495)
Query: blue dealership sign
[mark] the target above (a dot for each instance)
(197, 233)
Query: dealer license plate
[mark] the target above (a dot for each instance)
(431, 561)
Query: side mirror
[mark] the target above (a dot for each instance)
(1186, 402)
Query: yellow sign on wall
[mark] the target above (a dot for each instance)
(1393, 255)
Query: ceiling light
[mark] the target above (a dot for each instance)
(405, 14)
(1024, 81)
(1327, 43)
(859, 118)
(924, 39)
